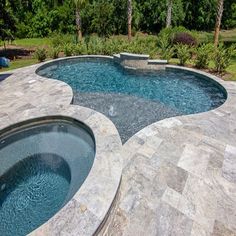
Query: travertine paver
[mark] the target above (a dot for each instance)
(24, 96)
(229, 164)
(179, 174)
(166, 193)
(25, 90)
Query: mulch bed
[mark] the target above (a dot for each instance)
(13, 52)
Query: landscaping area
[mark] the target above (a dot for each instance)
(182, 32)
(197, 49)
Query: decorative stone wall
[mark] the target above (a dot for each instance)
(139, 61)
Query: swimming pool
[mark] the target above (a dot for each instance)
(133, 99)
(43, 164)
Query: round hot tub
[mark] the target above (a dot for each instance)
(43, 164)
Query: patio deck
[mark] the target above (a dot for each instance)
(179, 174)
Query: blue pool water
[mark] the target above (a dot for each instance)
(42, 166)
(134, 99)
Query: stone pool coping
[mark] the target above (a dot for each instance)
(85, 212)
(26, 94)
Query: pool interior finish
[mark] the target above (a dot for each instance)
(42, 166)
(134, 99)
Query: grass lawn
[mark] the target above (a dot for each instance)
(19, 63)
(228, 35)
(34, 42)
(225, 36)
(232, 69)
(30, 43)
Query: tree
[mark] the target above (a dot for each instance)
(79, 4)
(153, 13)
(129, 8)
(229, 19)
(220, 9)
(7, 21)
(200, 15)
(120, 23)
(169, 13)
(102, 22)
(40, 18)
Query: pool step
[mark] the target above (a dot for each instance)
(157, 62)
(132, 56)
(139, 61)
(117, 58)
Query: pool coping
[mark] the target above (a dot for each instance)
(85, 216)
(84, 213)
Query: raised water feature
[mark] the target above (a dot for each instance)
(43, 164)
(133, 99)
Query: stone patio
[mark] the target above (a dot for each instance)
(179, 174)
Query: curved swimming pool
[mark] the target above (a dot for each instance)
(43, 164)
(134, 99)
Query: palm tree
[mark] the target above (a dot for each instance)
(79, 4)
(129, 19)
(169, 13)
(220, 9)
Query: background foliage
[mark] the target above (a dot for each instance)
(40, 18)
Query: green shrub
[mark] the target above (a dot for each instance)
(163, 42)
(165, 49)
(117, 45)
(58, 40)
(68, 50)
(54, 53)
(110, 47)
(95, 45)
(168, 53)
(171, 31)
(40, 54)
(176, 35)
(183, 53)
(22, 30)
(142, 45)
(203, 55)
(184, 38)
(222, 57)
(80, 49)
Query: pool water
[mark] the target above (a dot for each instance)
(42, 166)
(29, 193)
(134, 99)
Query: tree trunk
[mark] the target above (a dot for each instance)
(220, 9)
(78, 24)
(4, 45)
(169, 13)
(129, 19)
